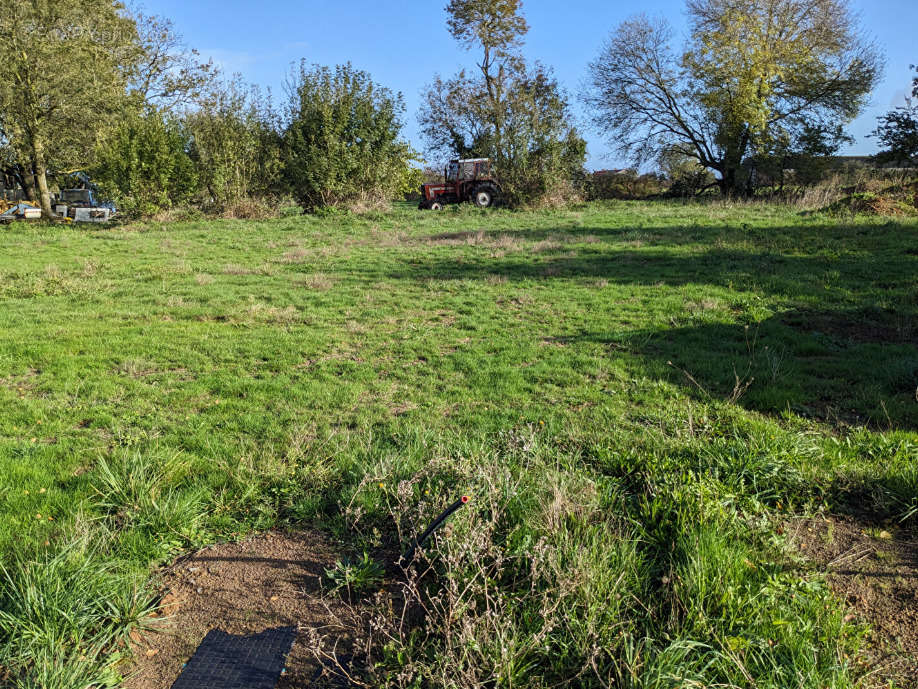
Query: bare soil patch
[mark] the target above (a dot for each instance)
(874, 569)
(271, 580)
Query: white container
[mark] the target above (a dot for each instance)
(31, 213)
(92, 214)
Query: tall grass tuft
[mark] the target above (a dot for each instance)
(63, 616)
(145, 497)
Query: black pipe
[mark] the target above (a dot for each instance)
(409, 554)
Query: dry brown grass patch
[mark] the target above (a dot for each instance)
(273, 314)
(506, 241)
(136, 368)
(706, 304)
(368, 203)
(546, 245)
(297, 255)
(570, 500)
(235, 269)
(90, 267)
(249, 209)
(317, 281)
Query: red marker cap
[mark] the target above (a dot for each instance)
(465, 499)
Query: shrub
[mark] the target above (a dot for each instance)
(145, 167)
(234, 144)
(343, 141)
(623, 184)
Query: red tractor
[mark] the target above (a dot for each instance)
(466, 181)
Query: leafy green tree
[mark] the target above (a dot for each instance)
(515, 114)
(233, 142)
(145, 166)
(411, 180)
(63, 80)
(498, 26)
(12, 174)
(897, 132)
(343, 139)
(755, 76)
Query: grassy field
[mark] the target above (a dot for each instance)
(637, 395)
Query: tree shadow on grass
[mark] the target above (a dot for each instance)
(843, 347)
(860, 276)
(690, 233)
(848, 369)
(845, 367)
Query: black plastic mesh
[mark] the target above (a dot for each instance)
(224, 661)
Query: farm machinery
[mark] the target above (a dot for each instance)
(14, 207)
(80, 205)
(17, 210)
(70, 205)
(465, 181)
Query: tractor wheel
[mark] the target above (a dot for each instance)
(436, 206)
(484, 197)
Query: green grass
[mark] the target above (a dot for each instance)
(634, 393)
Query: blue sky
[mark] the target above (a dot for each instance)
(403, 44)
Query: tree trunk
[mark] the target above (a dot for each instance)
(44, 195)
(41, 176)
(730, 182)
(28, 184)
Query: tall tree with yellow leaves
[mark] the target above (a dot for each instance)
(755, 76)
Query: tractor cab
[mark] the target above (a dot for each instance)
(77, 197)
(468, 170)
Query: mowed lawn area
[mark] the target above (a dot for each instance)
(638, 396)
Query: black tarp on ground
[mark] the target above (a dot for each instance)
(225, 661)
